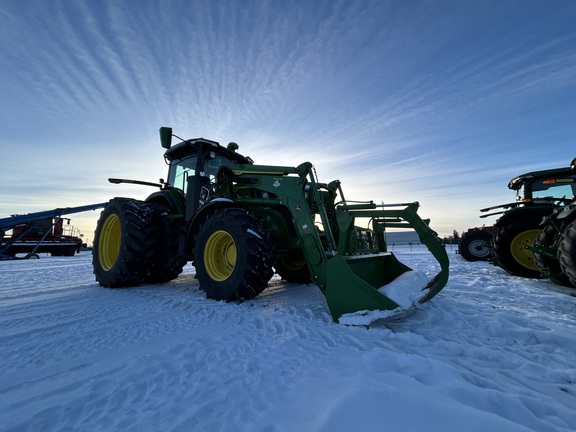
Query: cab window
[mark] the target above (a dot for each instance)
(180, 171)
(554, 188)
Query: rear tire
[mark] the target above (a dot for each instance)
(548, 265)
(167, 263)
(509, 251)
(233, 255)
(125, 242)
(567, 252)
(475, 246)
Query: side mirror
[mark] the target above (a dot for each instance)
(166, 137)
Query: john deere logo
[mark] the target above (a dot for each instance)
(276, 184)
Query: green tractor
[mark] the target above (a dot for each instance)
(239, 223)
(511, 242)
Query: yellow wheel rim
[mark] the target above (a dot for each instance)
(110, 241)
(520, 253)
(220, 256)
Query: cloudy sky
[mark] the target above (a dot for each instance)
(440, 102)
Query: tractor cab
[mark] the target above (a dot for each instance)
(194, 165)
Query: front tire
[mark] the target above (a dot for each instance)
(567, 252)
(293, 268)
(509, 248)
(124, 243)
(548, 265)
(233, 255)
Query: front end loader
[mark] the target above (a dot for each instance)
(239, 223)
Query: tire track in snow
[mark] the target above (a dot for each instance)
(135, 328)
(162, 357)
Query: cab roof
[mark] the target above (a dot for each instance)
(517, 182)
(193, 146)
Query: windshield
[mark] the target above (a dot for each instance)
(182, 169)
(564, 187)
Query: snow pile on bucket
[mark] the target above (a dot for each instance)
(406, 290)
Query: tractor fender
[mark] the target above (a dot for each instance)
(523, 212)
(568, 213)
(201, 215)
(172, 198)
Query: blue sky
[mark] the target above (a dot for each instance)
(440, 102)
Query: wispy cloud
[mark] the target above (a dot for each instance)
(419, 100)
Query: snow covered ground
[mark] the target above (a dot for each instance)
(490, 353)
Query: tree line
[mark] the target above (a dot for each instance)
(452, 239)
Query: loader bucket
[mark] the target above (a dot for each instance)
(375, 284)
(356, 285)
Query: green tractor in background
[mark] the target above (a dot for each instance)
(239, 223)
(523, 240)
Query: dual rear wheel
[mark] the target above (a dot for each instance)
(134, 243)
(125, 243)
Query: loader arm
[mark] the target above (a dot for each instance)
(348, 264)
